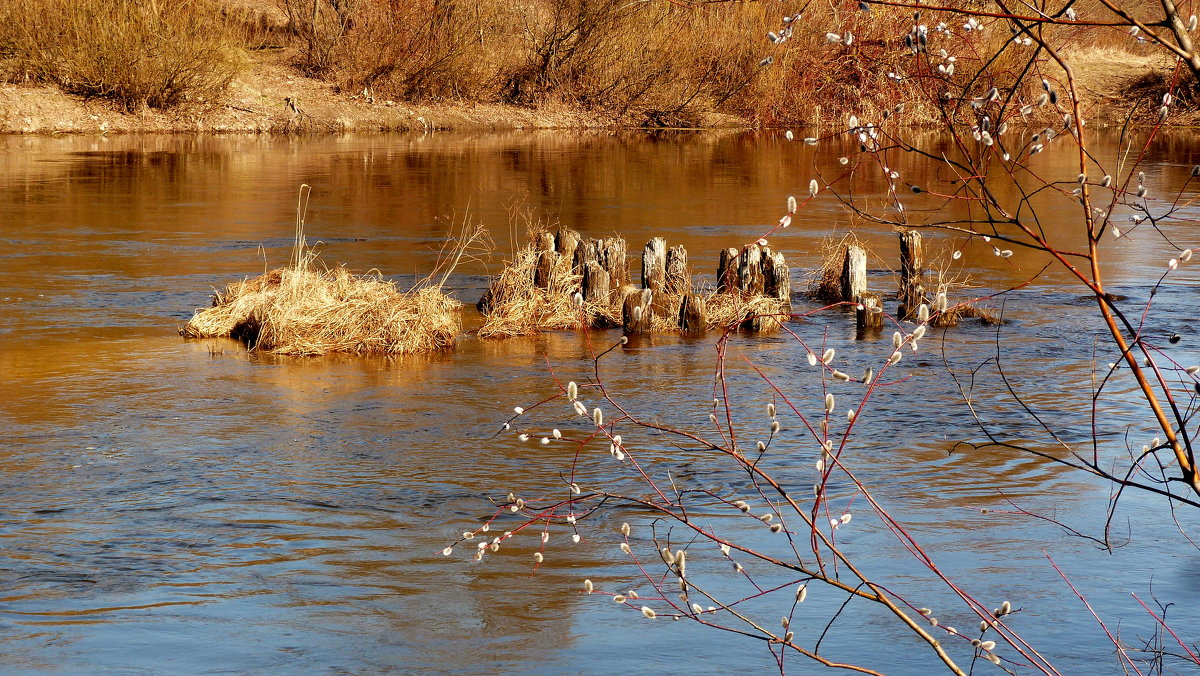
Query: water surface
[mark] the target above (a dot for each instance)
(174, 506)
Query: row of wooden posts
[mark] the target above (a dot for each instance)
(754, 271)
(911, 292)
(666, 289)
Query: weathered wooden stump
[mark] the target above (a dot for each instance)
(565, 243)
(912, 274)
(854, 273)
(545, 261)
(727, 273)
(585, 252)
(749, 271)
(487, 301)
(868, 315)
(595, 283)
(693, 314)
(777, 279)
(654, 265)
(611, 253)
(637, 315)
(679, 280)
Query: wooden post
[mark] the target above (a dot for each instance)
(611, 253)
(595, 283)
(727, 271)
(777, 281)
(693, 314)
(750, 271)
(868, 316)
(854, 273)
(565, 243)
(678, 279)
(545, 261)
(585, 252)
(654, 265)
(636, 313)
(912, 274)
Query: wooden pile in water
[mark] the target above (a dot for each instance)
(843, 279)
(563, 281)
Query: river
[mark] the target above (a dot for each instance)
(175, 506)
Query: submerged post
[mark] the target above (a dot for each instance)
(595, 283)
(565, 243)
(750, 272)
(777, 277)
(868, 316)
(545, 261)
(637, 316)
(611, 253)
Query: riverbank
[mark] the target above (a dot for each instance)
(274, 98)
(271, 93)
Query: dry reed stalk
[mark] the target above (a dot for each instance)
(954, 283)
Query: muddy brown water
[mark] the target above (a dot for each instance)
(187, 507)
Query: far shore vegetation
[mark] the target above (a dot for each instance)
(655, 63)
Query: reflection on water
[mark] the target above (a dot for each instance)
(186, 506)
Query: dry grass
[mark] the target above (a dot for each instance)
(301, 311)
(515, 306)
(956, 284)
(157, 54)
(653, 63)
(825, 283)
(729, 311)
(647, 63)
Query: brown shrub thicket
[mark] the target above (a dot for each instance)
(157, 54)
(655, 63)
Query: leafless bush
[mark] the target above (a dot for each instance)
(153, 54)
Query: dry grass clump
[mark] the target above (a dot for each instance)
(757, 313)
(515, 306)
(157, 54)
(542, 288)
(519, 302)
(301, 311)
(955, 283)
(825, 283)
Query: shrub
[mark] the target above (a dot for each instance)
(137, 54)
